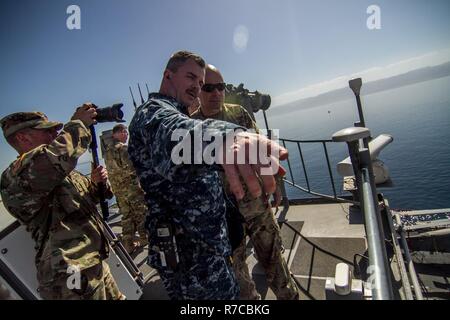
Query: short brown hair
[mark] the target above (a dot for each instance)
(119, 127)
(180, 57)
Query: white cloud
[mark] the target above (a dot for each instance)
(372, 74)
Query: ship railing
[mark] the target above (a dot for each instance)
(290, 180)
(357, 139)
(295, 147)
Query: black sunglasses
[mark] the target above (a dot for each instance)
(209, 87)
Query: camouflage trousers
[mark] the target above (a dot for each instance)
(265, 237)
(202, 276)
(133, 210)
(96, 283)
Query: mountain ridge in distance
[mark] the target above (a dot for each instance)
(342, 94)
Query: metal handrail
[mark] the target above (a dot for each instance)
(379, 268)
(381, 283)
(363, 171)
(362, 167)
(308, 190)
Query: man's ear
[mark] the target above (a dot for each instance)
(167, 74)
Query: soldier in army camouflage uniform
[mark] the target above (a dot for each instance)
(183, 197)
(126, 188)
(259, 223)
(58, 205)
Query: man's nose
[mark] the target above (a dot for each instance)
(217, 92)
(196, 87)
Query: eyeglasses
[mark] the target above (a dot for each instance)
(209, 87)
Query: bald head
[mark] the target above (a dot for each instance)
(213, 72)
(213, 92)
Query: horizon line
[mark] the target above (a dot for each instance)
(372, 74)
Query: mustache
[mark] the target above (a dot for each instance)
(192, 92)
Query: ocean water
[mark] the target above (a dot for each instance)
(417, 116)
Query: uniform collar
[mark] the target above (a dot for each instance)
(179, 106)
(216, 116)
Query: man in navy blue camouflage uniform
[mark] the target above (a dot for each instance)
(190, 197)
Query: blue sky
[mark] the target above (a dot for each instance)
(291, 45)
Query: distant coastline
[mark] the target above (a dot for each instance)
(342, 94)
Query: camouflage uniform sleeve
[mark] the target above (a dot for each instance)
(249, 123)
(125, 161)
(27, 183)
(159, 121)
